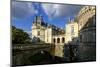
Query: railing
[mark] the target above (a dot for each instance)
(26, 47)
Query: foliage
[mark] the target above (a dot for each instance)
(19, 36)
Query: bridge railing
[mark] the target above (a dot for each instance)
(35, 46)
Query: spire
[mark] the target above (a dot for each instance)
(35, 19)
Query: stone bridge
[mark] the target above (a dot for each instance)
(21, 53)
(33, 47)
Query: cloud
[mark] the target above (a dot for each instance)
(22, 9)
(60, 10)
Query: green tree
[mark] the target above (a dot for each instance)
(19, 36)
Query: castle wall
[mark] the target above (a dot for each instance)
(38, 32)
(48, 35)
(87, 35)
(84, 15)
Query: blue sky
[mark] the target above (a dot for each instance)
(23, 13)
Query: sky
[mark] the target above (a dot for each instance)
(23, 13)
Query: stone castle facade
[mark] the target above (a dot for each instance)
(48, 33)
(51, 34)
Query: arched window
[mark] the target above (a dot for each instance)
(58, 40)
(54, 40)
(63, 40)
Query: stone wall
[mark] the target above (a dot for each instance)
(87, 41)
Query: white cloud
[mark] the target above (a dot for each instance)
(60, 10)
(49, 9)
(22, 9)
(25, 9)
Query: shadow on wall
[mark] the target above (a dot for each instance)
(83, 47)
(37, 40)
(77, 52)
(70, 50)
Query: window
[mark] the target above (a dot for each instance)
(54, 40)
(63, 40)
(72, 30)
(58, 40)
(38, 33)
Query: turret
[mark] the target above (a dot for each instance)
(38, 30)
(38, 20)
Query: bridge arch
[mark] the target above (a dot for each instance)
(58, 40)
(63, 40)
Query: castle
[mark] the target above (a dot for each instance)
(48, 33)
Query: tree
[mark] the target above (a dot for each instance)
(19, 36)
